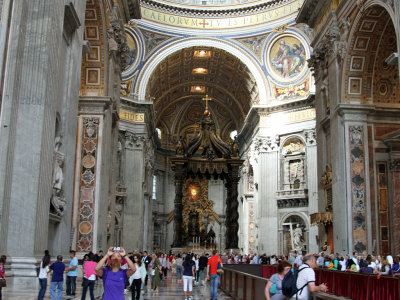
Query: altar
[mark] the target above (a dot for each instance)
(206, 156)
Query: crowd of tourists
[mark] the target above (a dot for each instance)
(295, 275)
(368, 264)
(123, 273)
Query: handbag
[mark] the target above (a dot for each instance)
(219, 269)
(153, 272)
(3, 282)
(273, 289)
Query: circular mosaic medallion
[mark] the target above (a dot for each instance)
(88, 161)
(85, 227)
(286, 58)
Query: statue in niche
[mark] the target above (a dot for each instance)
(211, 236)
(297, 238)
(180, 148)
(57, 199)
(326, 178)
(58, 142)
(193, 227)
(234, 148)
(296, 172)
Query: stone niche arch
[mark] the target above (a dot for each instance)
(168, 49)
(366, 77)
(301, 218)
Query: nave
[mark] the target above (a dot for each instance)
(169, 290)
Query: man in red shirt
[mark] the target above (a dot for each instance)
(212, 274)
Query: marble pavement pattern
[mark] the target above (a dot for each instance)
(169, 290)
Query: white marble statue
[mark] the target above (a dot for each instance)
(297, 237)
(57, 200)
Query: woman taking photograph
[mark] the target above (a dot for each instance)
(138, 277)
(114, 277)
(188, 276)
(43, 271)
(276, 280)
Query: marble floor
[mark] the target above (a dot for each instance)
(169, 290)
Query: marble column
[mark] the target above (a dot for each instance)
(32, 96)
(178, 219)
(312, 186)
(395, 204)
(267, 188)
(232, 215)
(133, 212)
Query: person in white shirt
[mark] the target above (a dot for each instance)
(306, 279)
(43, 271)
(138, 277)
(255, 259)
(299, 260)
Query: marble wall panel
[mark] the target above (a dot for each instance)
(358, 188)
(87, 184)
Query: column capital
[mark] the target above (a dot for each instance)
(134, 140)
(394, 165)
(267, 144)
(311, 137)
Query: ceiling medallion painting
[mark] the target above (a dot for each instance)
(287, 58)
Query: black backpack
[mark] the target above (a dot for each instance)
(289, 288)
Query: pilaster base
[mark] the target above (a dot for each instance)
(21, 273)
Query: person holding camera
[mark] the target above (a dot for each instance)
(114, 277)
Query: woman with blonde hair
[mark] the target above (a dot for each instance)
(385, 267)
(155, 271)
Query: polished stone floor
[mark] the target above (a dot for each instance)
(169, 290)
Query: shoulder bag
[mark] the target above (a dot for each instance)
(3, 282)
(273, 288)
(220, 271)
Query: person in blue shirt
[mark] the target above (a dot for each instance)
(57, 279)
(72, 274)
